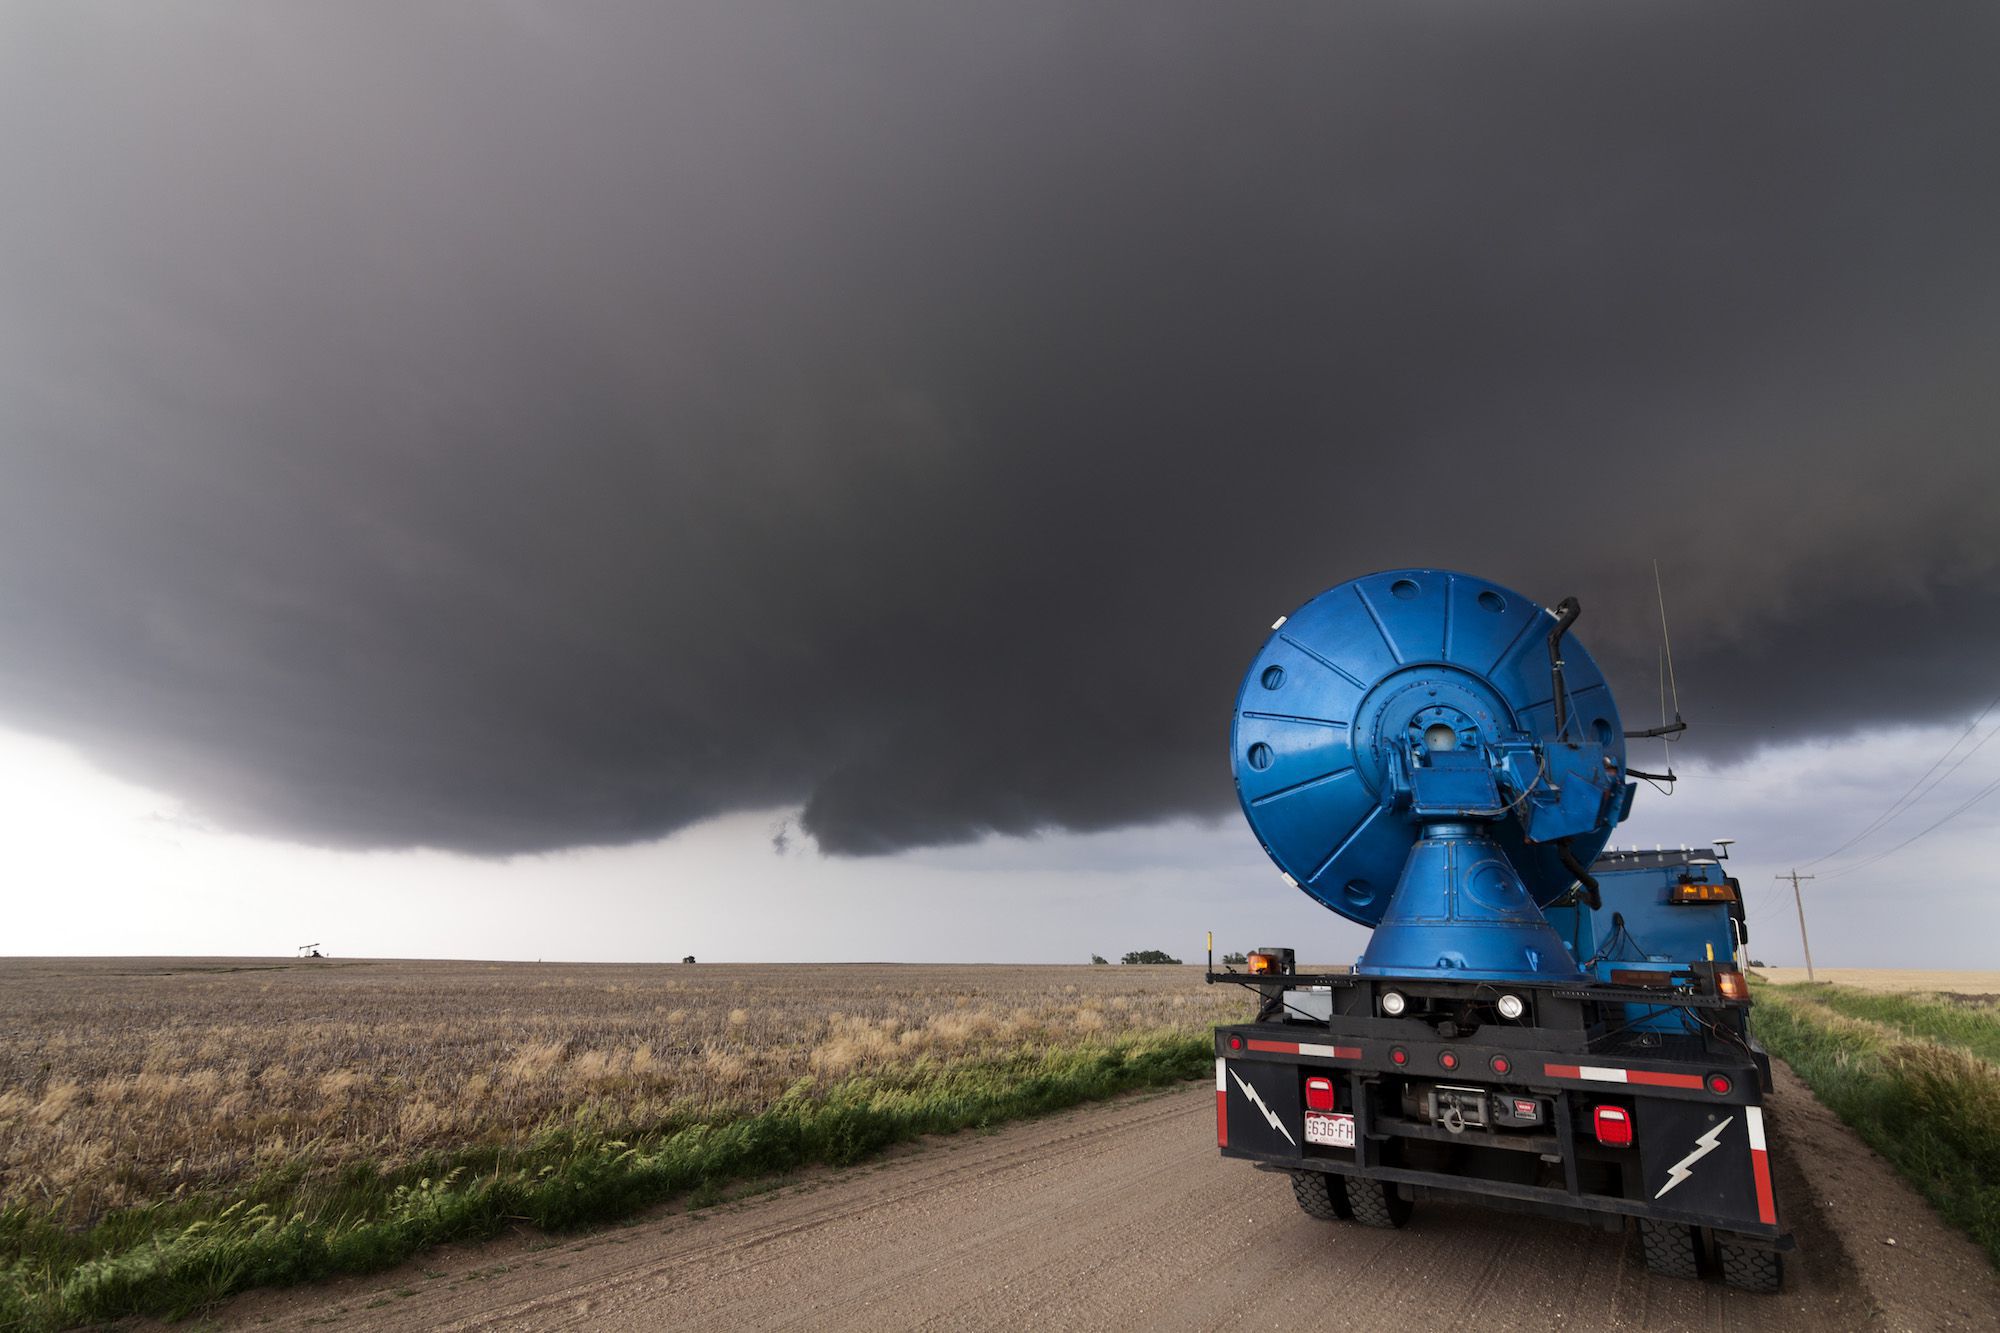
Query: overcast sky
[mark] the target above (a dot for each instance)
(807, 478)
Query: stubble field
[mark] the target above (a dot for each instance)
(1973, 982)
(129, 1080)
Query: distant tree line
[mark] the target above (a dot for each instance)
(1148, 956)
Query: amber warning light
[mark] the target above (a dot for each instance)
(1702, 893)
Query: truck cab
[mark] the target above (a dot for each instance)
(1660, 912)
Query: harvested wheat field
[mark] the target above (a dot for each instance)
(126, 1080)
(1971, 982)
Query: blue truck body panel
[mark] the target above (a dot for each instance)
(1640, 928)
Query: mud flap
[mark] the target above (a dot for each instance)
(1262, 1106)
(1706, 1160)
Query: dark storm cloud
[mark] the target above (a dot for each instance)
(516, 427)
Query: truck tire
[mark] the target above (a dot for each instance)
(1759, 1271)
(1375, 1203)
(1322, 1195)
(1670, 1248)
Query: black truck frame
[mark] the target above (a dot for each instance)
(1549, 1099)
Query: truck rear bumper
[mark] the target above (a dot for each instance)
(1519, 1126)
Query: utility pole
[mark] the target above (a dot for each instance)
(1795, 877)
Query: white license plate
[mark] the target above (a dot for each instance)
(1332, 1129)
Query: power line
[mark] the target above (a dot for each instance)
(1969, 802)
(1897, 806)
(1938, 781)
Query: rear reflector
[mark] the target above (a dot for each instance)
(1500, 1064)
(1399, 1055)
(1319, 1094)
(1719, 1084)
(1613, 1125)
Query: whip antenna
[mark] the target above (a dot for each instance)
(1666, 740)
(1666, 731)
(1666, 644)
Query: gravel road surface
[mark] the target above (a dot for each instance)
(1122, 1216)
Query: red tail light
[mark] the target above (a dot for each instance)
(1319, 1094)
(1613, 1125)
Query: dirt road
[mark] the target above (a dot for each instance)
(1123, 1216)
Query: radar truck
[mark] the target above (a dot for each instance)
(1536, 1024)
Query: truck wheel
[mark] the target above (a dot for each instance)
(1376, 1203)
(1759, 1271)
(1322, 1195)
(1670, 1248)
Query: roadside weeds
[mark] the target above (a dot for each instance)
(173, 1259)
(1929, 1106)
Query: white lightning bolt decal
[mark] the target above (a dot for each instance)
(1703, 1146)
(1269, 1114)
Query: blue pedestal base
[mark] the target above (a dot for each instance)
(1461, 913)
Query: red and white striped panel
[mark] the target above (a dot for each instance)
(1221, 1102)
(1305, 1048)
(1607, 1074)
(1760, 1167)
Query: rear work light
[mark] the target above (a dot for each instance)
(1319, 1094)
(1613, 1125)
(1730, 985)
(1264, 962)
(1702, 893)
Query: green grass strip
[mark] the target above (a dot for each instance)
(1976, 1027)
(173, 1259)
(1931, 1107)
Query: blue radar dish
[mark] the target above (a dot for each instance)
(1432, 663)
